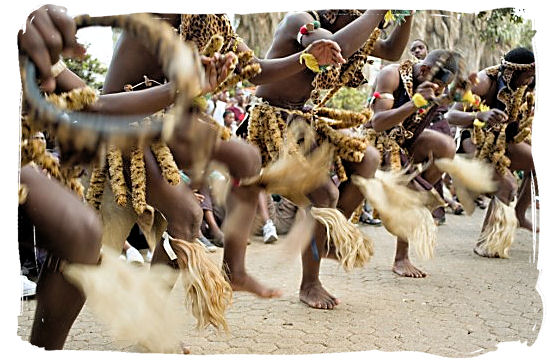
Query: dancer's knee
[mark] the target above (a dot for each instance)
(86, 240)
(326, 196)
(508, 188)
(371, 161)
(184, 221)
(446, 147)
(250, 162)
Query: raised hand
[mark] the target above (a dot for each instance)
(327, 52)
(493, 117)
(427, 90)
(49, 32)
(217, 68)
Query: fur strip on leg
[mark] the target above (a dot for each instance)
(208, 292)
(498, 235)
(296, 171)
(471, 177)
(352, 248)
(134, 303)
(402, 210)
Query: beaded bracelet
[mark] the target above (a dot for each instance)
(306, 29)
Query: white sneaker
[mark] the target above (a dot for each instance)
(133, 256)
(29, 287)
(270, 232)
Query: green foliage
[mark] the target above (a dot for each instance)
(88, 69)
(506, 27)
(350, 99)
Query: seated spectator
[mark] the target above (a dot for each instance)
(279, 212)
(213, 216)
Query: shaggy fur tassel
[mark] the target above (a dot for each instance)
(402, 210)
(471, 177)
(116, 175)
(293, 175)
(137, 175)
(352, 248)
(96, 187)
(498, 235)
(166, 162)
(207, 291)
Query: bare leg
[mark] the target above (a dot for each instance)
(213, 226)
(126, 246)
(69, 230)
(177, 203)
(243, 160)
(262, 207)
(440, 146)
(237, 228)
(524, 201)
(350, 195)
(402, 265)
(522, 159)
(312, 292)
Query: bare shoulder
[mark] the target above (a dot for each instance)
(388, 78)
(484, 84)
(293, 21)
(284, 40)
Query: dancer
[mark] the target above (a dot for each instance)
(282, 102)
(210, 32)
(498, 130)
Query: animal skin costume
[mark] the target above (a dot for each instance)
(491, 146)
(268, 129)
(415, 223)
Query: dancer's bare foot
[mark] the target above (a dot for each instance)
(315, 296)
(481, 251)
(246, 283)
(405, 268)
(402, 266)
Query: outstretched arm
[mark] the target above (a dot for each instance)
(326, 52)
(144, 101)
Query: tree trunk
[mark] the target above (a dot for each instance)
(257, 30)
